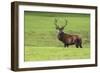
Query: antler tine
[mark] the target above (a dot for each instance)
(56, 23)
(65, 23)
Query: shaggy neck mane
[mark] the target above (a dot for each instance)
(61, 35)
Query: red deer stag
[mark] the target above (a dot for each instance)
(68, 39)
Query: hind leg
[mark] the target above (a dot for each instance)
(80, 44)
(76, 44)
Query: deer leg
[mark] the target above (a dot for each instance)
(67, 45)
(64, 44)
(80, 45)
(76, 45)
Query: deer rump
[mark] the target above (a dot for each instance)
(68, 39)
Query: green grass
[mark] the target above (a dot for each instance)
(54, 53)
(40, 32)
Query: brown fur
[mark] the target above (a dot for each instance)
(68, 39)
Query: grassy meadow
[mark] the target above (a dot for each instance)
(41, 41)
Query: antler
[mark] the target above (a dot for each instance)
(56, 23)
(65, 24)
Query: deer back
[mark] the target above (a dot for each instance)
(71, 39)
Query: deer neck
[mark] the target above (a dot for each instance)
(61, 35)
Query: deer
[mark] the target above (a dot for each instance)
(67, 39)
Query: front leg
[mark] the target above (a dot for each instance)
(66, 45)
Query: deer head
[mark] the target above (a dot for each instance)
(60, 29)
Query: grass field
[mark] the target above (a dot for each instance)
(53, 53)
(41, 41)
